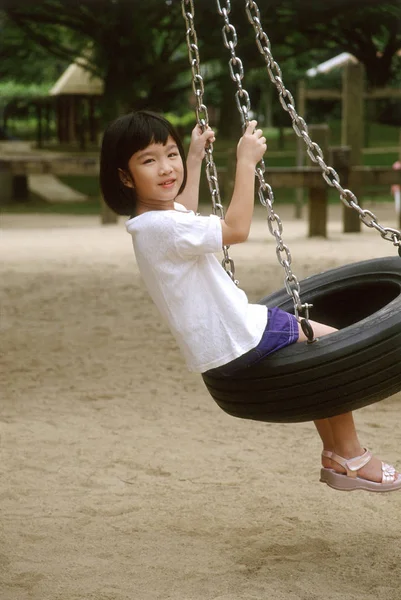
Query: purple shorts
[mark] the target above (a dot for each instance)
(281, 330)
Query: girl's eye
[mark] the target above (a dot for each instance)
(148, 160)
(173, 154)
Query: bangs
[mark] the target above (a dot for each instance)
(137, 132)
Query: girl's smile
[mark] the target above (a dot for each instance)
(157, 173)
(168, 184)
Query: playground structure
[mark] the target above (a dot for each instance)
(51, 189)
(352, 96)
(75, 93)
(69, 107)
(16, 169)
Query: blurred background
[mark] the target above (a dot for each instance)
(68, 68)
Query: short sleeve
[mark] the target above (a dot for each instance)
(196, 235)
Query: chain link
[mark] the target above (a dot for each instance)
(301, 129)
(265, 192)
(202, 118)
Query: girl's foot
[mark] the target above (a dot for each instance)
(372, 471)
(361, 471)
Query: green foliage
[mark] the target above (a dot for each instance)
(17, 89)
(139, 49)
(23, 60)
(182, 121)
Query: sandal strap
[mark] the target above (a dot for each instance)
(327, 453)
(352, 465)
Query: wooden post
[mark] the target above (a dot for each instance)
(63, 119)
(59, 125)
(39, 130)
(20, 191)
(92, 120)
(301, 102)
(80, 119)
(6, 184)
(71, 131)
(352, 133)
(339, 159)
(48, 112)
(318, 197)
(267, 92)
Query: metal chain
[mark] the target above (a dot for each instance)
(301, 129)
(265, 191)
(202, 118)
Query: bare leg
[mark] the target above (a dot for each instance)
(338, 434)
(324, 430)
(322, 425)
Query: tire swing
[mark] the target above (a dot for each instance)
(356, 366)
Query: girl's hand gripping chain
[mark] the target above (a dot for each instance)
(199, 142)
(252, 145)
(250, 150)
(190, 196)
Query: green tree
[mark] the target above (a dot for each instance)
(25, 60)
(138, 47)
(133, 46)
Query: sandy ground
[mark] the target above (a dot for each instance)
(122, 479)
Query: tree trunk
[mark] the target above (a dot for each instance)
(230, 119)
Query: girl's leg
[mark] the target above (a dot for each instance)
(324, 430)
(338, 434)
(322, 425)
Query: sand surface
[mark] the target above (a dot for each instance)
(122, 479)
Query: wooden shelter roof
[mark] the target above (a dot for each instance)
(78, 81)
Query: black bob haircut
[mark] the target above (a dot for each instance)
(122, 138)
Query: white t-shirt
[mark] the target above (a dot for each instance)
(209, 316)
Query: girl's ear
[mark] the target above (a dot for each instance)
(125, 179)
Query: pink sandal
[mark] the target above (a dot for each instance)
(350, 481)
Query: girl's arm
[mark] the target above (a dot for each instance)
(237, 221)
(190, 196)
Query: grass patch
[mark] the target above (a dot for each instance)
(387, 159)
(87, 185)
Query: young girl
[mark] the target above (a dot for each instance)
(144, 174)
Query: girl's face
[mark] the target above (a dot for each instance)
(157, 174)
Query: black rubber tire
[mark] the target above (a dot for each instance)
(354, 367)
